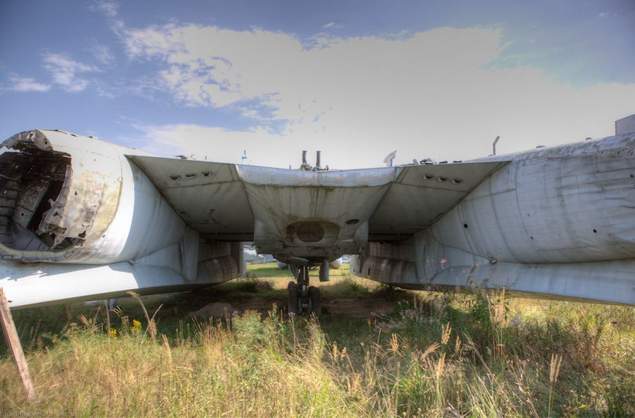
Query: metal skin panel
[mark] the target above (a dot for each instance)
(369, 177)
(340, 201)
(43, 284)
(276, 207)
(561, 207)
(421, 194)
(208, 196)
(558, 222)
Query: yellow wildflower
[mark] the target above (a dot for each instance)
(136, 326)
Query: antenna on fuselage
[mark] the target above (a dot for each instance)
(304, 166)
(390, 158)
(494, 144)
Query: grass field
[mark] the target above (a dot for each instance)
(375, 351)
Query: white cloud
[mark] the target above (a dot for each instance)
(429, 94)
(27, 84)
(66, 72)
(221, 145)
(109, 8)
(102, 54)
(328, 25)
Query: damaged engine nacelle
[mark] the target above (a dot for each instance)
(66, 199)
(78, 200)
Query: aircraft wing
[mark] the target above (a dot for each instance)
(421, 194)
(215, 198)
(210, 197)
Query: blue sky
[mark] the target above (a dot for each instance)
(357, 79)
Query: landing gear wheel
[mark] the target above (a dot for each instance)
(303, 299)
(314, 300)
(292, 293)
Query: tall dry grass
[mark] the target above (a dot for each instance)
(479, 355)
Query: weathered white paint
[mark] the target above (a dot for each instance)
(625, 125)
(554, 221)
(557, 221)
(259, 203)
(36, 284)
(136, 236)
(127, 207)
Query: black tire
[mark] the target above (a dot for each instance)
(292, 294)
(314, 300)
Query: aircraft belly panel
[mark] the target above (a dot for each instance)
(210, 197)
(421, 194)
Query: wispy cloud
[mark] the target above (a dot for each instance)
(26, 84)
(67, 72)
(102, 54)
(428, 94)
(109, 8)
(218, 144)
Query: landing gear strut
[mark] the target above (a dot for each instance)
(303, 299)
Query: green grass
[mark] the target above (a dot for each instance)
(433, 355)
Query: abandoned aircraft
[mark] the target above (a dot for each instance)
(81, 218)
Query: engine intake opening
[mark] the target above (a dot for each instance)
(306, 231)
(311, 232)
(32, 179)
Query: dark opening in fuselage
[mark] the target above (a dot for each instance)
(31, 180)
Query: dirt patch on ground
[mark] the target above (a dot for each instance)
(358, 307)
(351, 307)
(342, 297)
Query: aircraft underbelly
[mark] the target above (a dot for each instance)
(93, 218)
